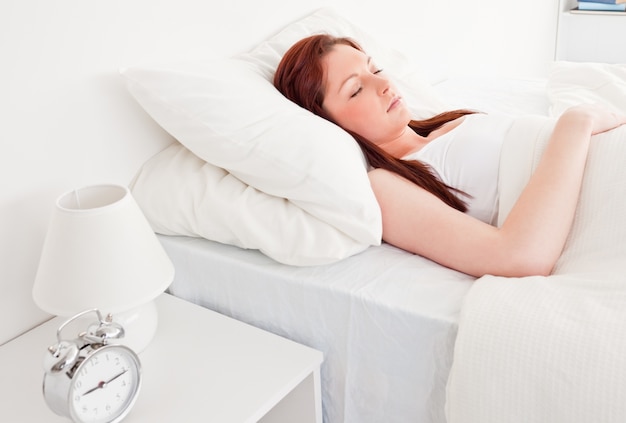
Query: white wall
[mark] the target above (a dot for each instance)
(67, 120)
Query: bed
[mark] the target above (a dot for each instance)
(300, 255)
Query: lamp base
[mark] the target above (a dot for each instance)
(140, 326)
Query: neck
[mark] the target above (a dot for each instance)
(410, 142)
(407, 142)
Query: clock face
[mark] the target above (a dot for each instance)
(105, 385)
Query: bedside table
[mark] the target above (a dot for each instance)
(200, 367)
(587, 36)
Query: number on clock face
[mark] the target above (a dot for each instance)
(104, 385)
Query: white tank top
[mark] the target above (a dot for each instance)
(468, 158)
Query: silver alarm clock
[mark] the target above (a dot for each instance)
(89, 379)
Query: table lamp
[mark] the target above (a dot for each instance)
(100, 252)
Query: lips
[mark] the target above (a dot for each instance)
(394, 102)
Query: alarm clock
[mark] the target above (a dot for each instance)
(91, 378)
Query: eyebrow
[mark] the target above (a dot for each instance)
(369, 60)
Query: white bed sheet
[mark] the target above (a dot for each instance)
(385, 320)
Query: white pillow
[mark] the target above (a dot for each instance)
(230, 116)
(228, 113)
(182, 194)
(572, 83)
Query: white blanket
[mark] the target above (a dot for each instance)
(551, 349)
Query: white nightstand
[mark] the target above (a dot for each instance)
(590, 36)
(200, 367)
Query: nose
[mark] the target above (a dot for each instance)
(383, 84)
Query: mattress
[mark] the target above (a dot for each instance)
(386, 320)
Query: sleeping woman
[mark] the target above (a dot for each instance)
(436, 179)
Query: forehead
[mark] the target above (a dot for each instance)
(342, 61)
(342, 56)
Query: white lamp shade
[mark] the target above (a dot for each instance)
(100, 252)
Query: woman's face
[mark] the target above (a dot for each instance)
(359, 97)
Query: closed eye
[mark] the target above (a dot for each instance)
(374, 72)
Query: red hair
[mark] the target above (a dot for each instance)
(300, 78)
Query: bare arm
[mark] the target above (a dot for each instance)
(534, 233)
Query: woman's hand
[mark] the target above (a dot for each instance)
(600, 117)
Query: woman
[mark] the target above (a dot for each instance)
(449, 221)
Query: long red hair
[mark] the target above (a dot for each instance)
(300, 76)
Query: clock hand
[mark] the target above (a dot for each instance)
(116, 376)
(102, 383)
